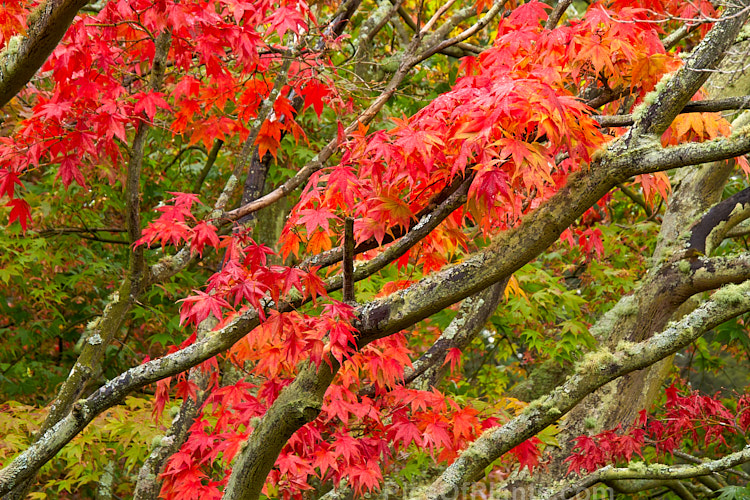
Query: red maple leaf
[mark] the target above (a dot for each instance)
(69, 171)
(199, 306)
(203, 234)
(528, 453)
(8, 180)
(316, 218)
(285, 19)
(454, 358)
(314, 93)
(186, 388)
(149, 102)
(20, 211)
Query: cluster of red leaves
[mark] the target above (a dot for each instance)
(700, 419)
(335, 446)
(172, 226)
(285, 339)
(356, 438)
(13, 20)
(245, 278)
(505, 123)
(189, 472)
(676, 11)
(219, 73)
(588, 239)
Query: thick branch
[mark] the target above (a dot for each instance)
(47, 26)
(654, 471)
(711, 106)
(710, 230)
(298, 404)
(681, 87)
(595, 370)
(710, 273)
(653, 158)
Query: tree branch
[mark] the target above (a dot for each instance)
(334, 255)
(348, 267)
(557, 13)
(415, 235)
(710, 230)
(651, 157)
(409, 59)
(471, 31)
(99, 333)
(47, 26)
(654, 471)
(471, 318)
(636, 198)
(210, 160)
(709, 106)
(681, 87)
(595, 370)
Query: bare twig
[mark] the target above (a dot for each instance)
(207, 167)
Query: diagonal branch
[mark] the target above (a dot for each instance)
(655, 472)
(467, 33)
(680, 88)
(710, 106)
(595, 370)
(425, 226)
(557, 13)
(471, 318)
(334, 255)
(47, 26)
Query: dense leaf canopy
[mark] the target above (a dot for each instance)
(290, 249)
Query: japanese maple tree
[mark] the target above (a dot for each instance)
(292, 249)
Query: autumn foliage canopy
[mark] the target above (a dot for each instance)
(177, 181)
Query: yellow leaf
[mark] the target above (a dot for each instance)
(513, 288)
